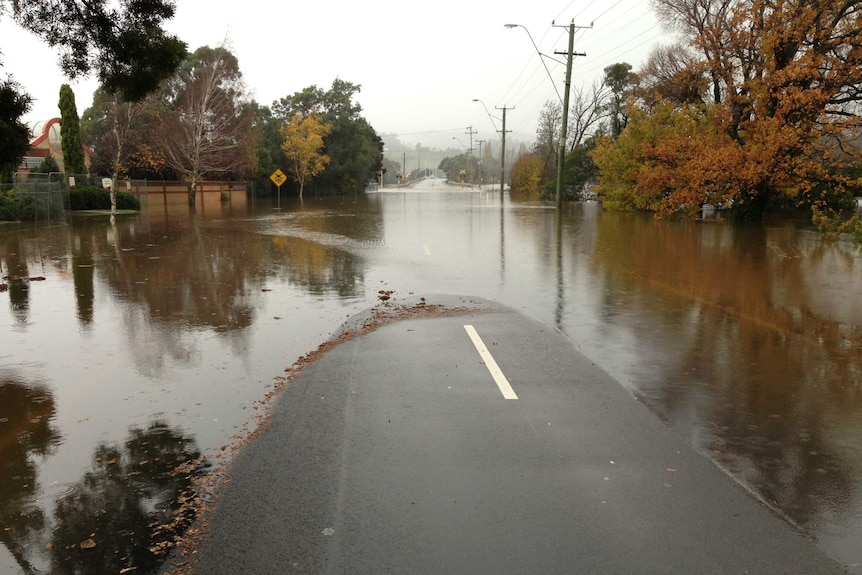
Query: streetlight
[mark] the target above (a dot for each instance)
(490, 117)
(541, 56)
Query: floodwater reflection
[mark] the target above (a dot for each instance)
(135, 498)
(28, 432)
(171, 325)
(753, 339)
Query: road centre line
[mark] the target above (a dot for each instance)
(491, 364)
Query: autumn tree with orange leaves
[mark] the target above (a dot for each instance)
(778, 121)
(303, 145)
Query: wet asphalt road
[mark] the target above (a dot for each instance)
(397, 452)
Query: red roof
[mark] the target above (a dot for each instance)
(44, 136)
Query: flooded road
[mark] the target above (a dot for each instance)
(130, 351)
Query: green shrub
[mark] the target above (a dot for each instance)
(92, 198)
(16, 208)
(87, 198)
(127, 201)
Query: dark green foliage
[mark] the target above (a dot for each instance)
(579, 171)
(24, 207)
(91, 198)
(453, 166)
(355, 150)
(126, 201)
(356, 154)
(16, 208)
(270, 156)
(14, 135)
(73, 151)
(125, 45)
(620, 79)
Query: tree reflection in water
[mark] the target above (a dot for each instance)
(132, 505)
(26, 430)
(17, 274)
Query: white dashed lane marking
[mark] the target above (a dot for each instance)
(491, 364)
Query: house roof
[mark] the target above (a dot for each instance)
(49, 130)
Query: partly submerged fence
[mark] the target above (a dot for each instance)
(50, 193)
(208, 196)
(46, 194)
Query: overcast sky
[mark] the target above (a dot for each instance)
(420, 65)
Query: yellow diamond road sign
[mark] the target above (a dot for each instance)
(278, 177)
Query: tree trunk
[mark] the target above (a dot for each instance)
(114, 194)
(192, 192)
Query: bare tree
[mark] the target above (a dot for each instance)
(586, 111)
(672, 72)
(701, 23)
(548, 137)
(205, 119)
(109, 123)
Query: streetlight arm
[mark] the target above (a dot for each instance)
(490, 116)
(541, 59)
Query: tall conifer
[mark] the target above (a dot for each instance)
(70, 131)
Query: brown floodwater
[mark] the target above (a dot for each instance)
(132, 350)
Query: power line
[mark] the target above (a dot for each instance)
(422, 133)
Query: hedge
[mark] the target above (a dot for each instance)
(91, 198)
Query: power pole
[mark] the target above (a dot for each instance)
(470, 131)
(569, 55)
(503, 150)
(480, 142)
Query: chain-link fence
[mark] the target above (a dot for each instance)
(45, 197)
(41, 197)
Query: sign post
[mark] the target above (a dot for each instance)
(278, 178)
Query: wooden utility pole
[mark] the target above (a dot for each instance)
(503, 151)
